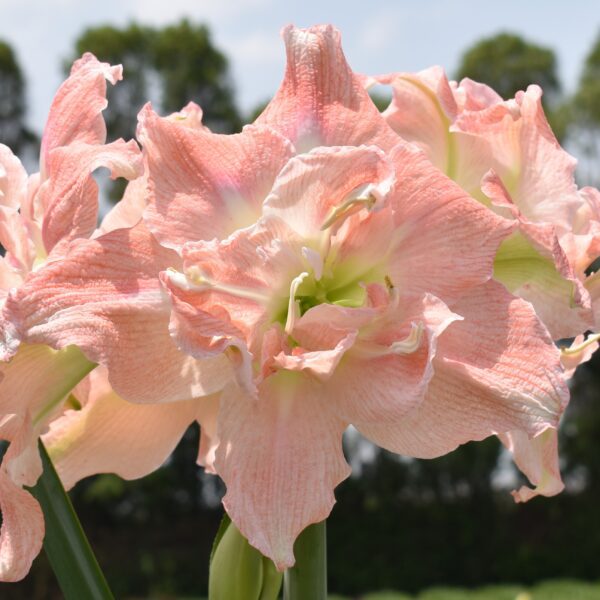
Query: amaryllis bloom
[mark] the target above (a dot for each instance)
(311, 272)
(505, 154)
(359, 297)
(354, 302)
(41, 218)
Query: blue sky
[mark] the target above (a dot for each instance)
(380, 36)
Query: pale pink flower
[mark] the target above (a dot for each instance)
(354, 302)
(40, 216)
(505, 154)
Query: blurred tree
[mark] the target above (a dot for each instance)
(508, 63)
(586, 116)
(190, 67)
(13, 131)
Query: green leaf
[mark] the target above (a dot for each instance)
(66, 546)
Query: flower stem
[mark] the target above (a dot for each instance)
(308, 577)
(66, 546)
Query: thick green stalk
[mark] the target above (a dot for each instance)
(66, 546)
(308, 577)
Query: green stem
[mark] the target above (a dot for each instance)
(308, 577)
(66, 546)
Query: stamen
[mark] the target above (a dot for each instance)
(196, 281)
(411, 342)
(370, 196)
(293, 304)
(408, 345)
(349, 207)
(393, 292)
(576, 349)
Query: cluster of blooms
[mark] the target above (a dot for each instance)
(406, 272)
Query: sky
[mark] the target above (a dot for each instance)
(378, 37)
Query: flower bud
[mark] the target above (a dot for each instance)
(238, 571)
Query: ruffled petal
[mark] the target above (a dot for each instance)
(523, 151)
(537, 458)
(204, 185)
(580, 351)
(76, 112)
(13, 191)
(13, 179)
(388, 369)
(70, 194)
(321, 102)
(105, 297)
(495, 371)
(446, 241)
(22, 529)
(207, 414)
(110, 435)
(56, 373)
(424, 106)
(230, 287)
(129, 211)
(422, 110)
(280, 458)
(310, 192)
(532, 265)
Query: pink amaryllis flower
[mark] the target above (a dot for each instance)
(325, 271)
(40, 216)
(505, 154)
(354, 302)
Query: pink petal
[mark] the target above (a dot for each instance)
(321, 102)
(129, 210)
(70, 194)
(257, 264)
(16, 239)
(76, 112)
(313, 185)
(446, 241)
(532, 265)
(374, 384)
(110, 435)
(580, 351)
(523, 151)
(538, 459)
(56, 373)
(495, 371)
(13, 179)
(280, 458)
(22, 530)
(204, 185)
(105, 297)
(422, 110)
(13, 189)
(206, 415)
(472, 95)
